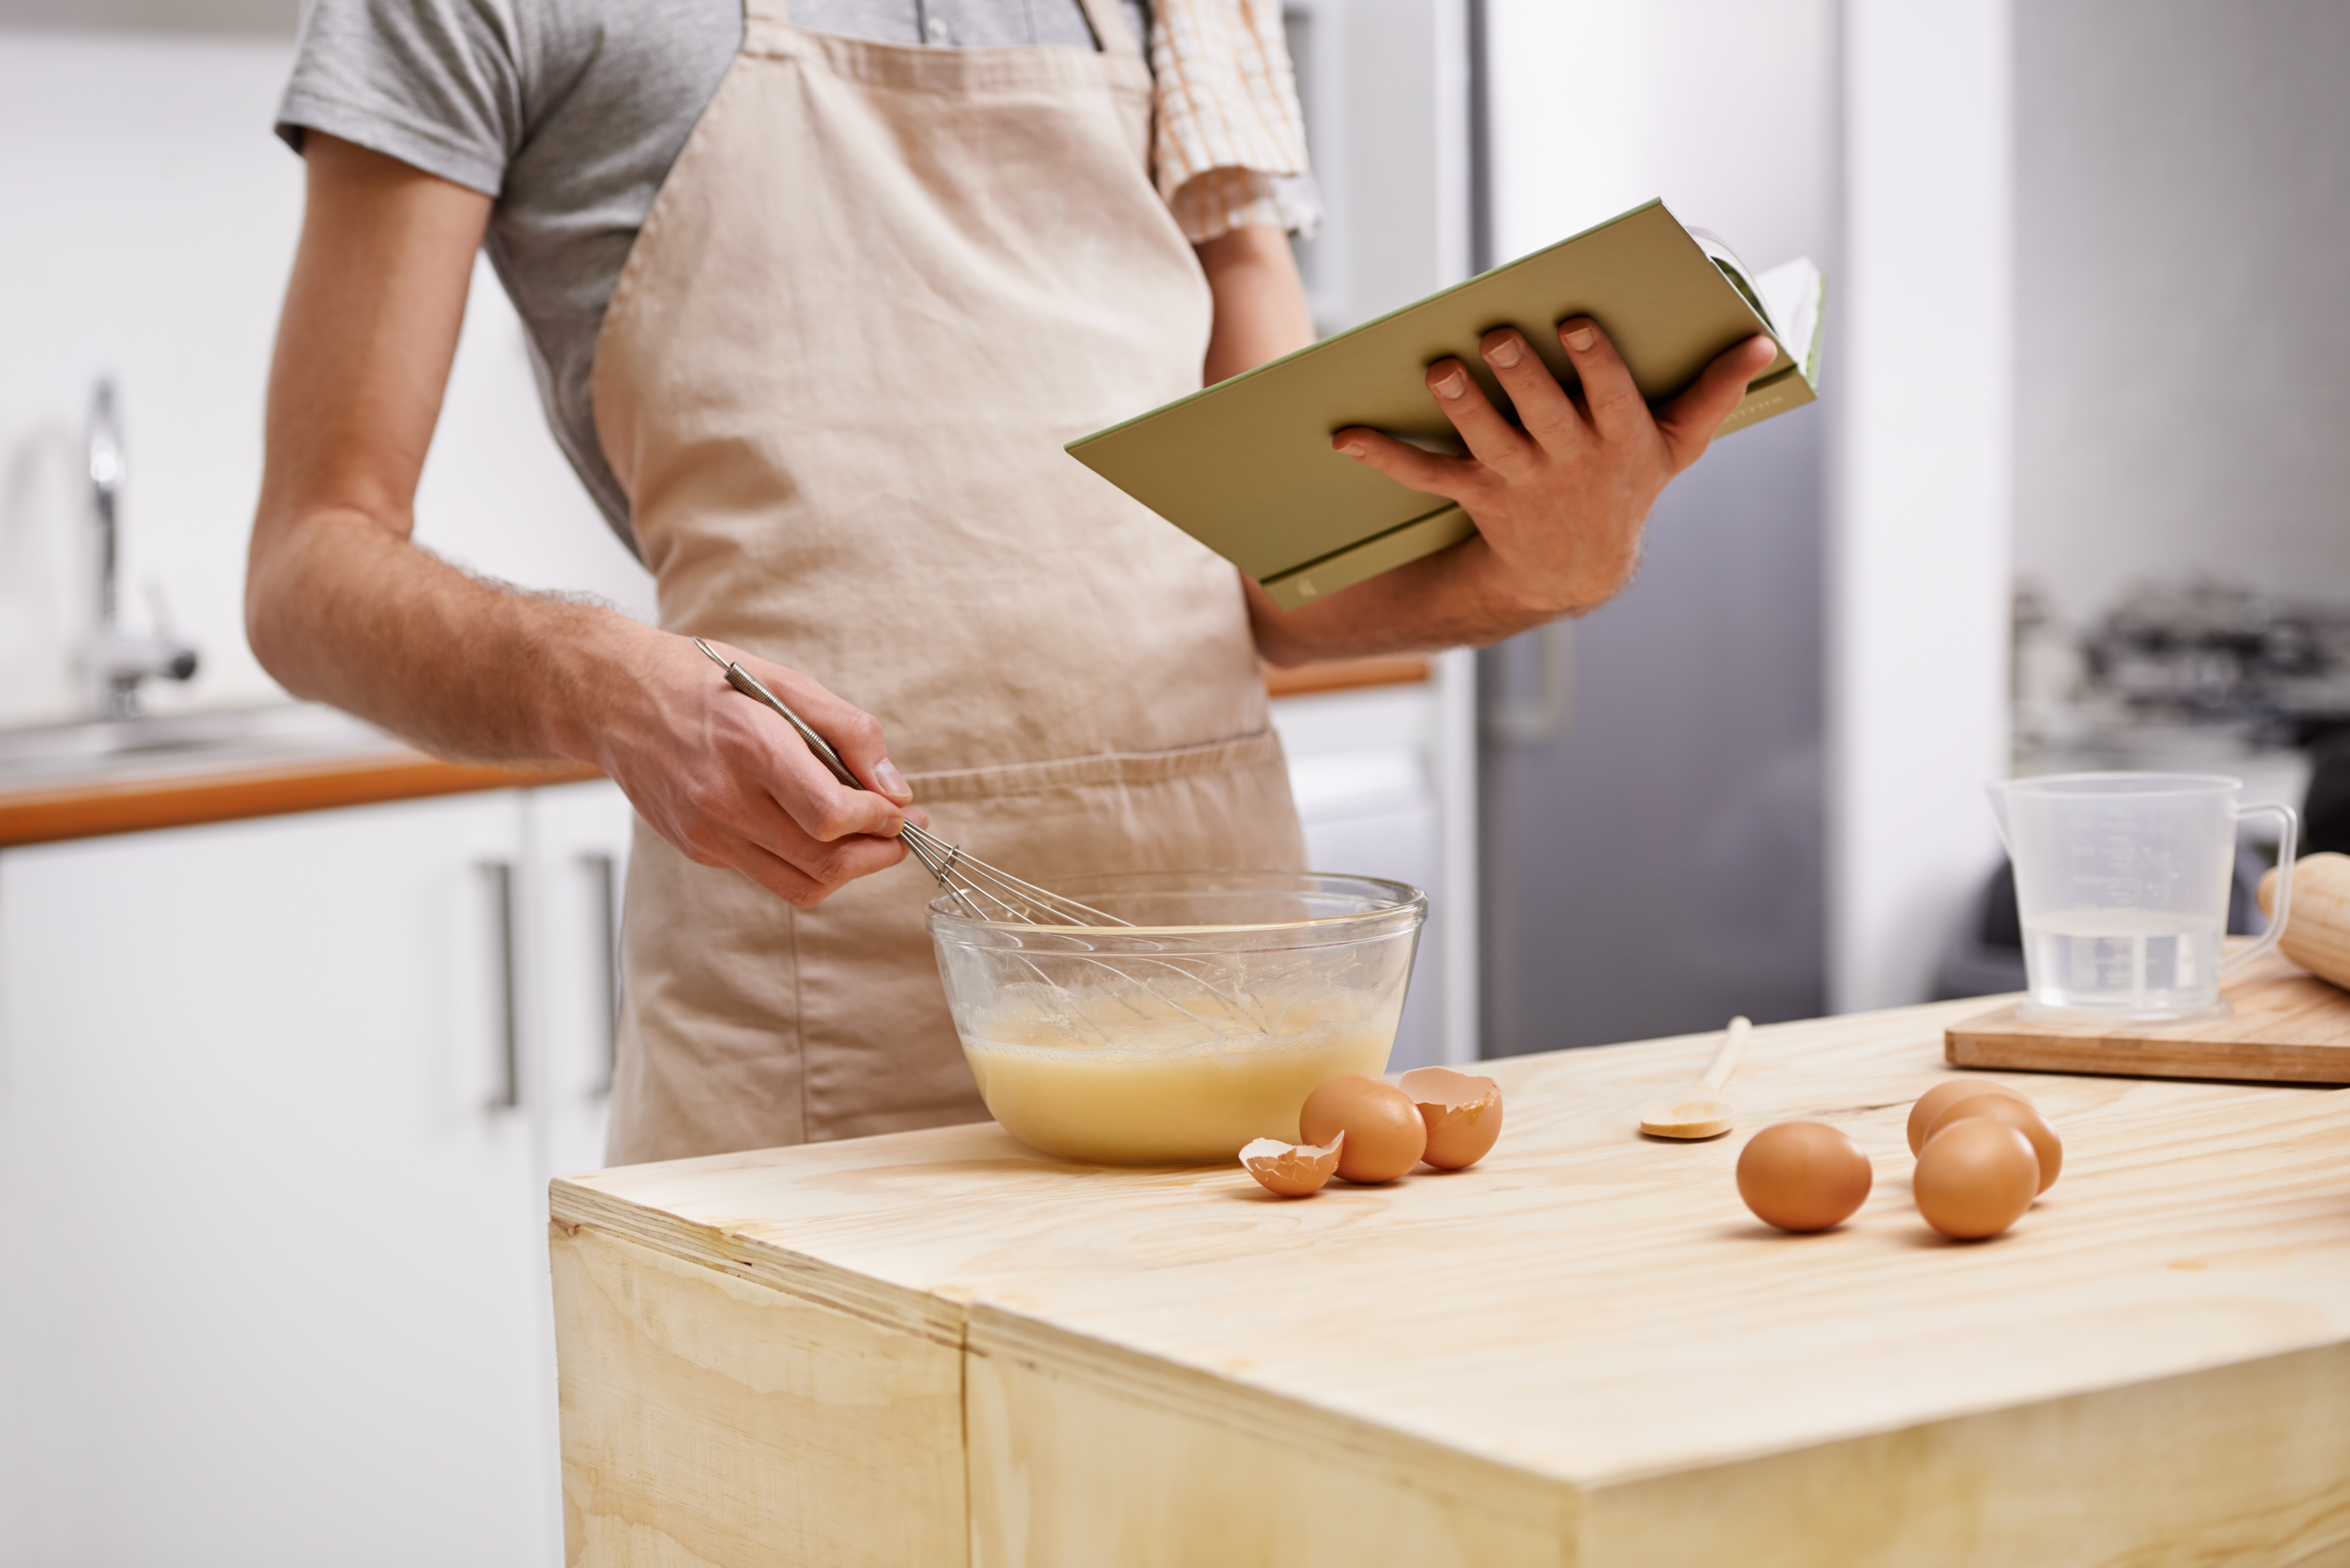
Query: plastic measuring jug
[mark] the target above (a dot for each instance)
(2121, 884)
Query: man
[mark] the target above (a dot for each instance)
(817, 301)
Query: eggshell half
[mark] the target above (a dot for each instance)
(1292, 1170)
(2019, 1114)
(1385, 1136)
(1941, 1097)
(1462, 1113)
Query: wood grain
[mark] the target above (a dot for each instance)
(710, 1421)
(2317, 926)
(2285, 1026)
(90, 809)
(1070, 1472)
(1585, 1337)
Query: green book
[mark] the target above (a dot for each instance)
(1246, 466)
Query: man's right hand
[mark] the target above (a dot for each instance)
(731, 784)
(342, 606)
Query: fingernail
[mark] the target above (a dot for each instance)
(892, 781)
(1582, 338)
(1353, 448)
(1505, 353)
(1453, 384)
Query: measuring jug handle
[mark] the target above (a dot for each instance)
(2286, 842)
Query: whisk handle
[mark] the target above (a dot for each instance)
(751, 686)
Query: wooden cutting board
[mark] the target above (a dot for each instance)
(2285, 1026)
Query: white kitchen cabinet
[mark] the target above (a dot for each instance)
(578, 855)
(1384, 783)
(278, 1101)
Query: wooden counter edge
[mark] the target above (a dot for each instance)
(92, 810)
(1348, 675)
(1529, 1493)
(929, 1315)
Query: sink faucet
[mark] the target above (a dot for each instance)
(120, 659)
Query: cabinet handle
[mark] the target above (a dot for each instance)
(500, 875)
(1518, 719)
(604, 875)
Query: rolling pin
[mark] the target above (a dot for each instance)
(2317, 932)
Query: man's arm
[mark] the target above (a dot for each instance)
(1559, 498)
(341, 605)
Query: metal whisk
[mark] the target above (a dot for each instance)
(983, 892)
(979, 891)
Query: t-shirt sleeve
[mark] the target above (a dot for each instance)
(1229, 142)
(433, 83)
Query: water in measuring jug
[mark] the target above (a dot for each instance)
(2124, 963)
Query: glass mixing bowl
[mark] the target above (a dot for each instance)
(1202, 1025)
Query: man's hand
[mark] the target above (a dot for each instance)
(342, 606)
(730, 783)
(1560, 498)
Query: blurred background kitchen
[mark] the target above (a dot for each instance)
(294, 1026)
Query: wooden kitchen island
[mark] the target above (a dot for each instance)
(939, 1348)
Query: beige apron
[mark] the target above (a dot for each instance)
(879, 288)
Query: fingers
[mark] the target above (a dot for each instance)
(805, 879)
(854, 733)
(1450, 477)
(797, 779)
(1546, 411)
(1617, 410)
(1491, 438)
(1688, 424)
(762, 785)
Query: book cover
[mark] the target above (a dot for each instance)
(1246, 466)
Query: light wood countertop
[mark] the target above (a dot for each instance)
(1584, 1351)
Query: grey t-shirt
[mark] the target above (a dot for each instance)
(569, 113)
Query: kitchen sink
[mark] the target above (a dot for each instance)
(220, 738)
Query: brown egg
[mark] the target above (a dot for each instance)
(1290, 1170)
(1803, 1176)
(1385, 1136)
(1462, 1112)
(2019, 1114)
(1976, 1177)
(1938, 1098)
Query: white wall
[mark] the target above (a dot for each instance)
(1919, 545)
(2182, 318)
(1599, 105)
(151, 223)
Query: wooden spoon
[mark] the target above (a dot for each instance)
(1701, 1112)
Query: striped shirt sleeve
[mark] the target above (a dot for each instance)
(1228, 140)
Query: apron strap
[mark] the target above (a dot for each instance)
(776, 11)
(1108, 18)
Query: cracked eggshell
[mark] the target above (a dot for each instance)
(1292, 1170)
(1463, 1111)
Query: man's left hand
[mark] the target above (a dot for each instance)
(1560, 497)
